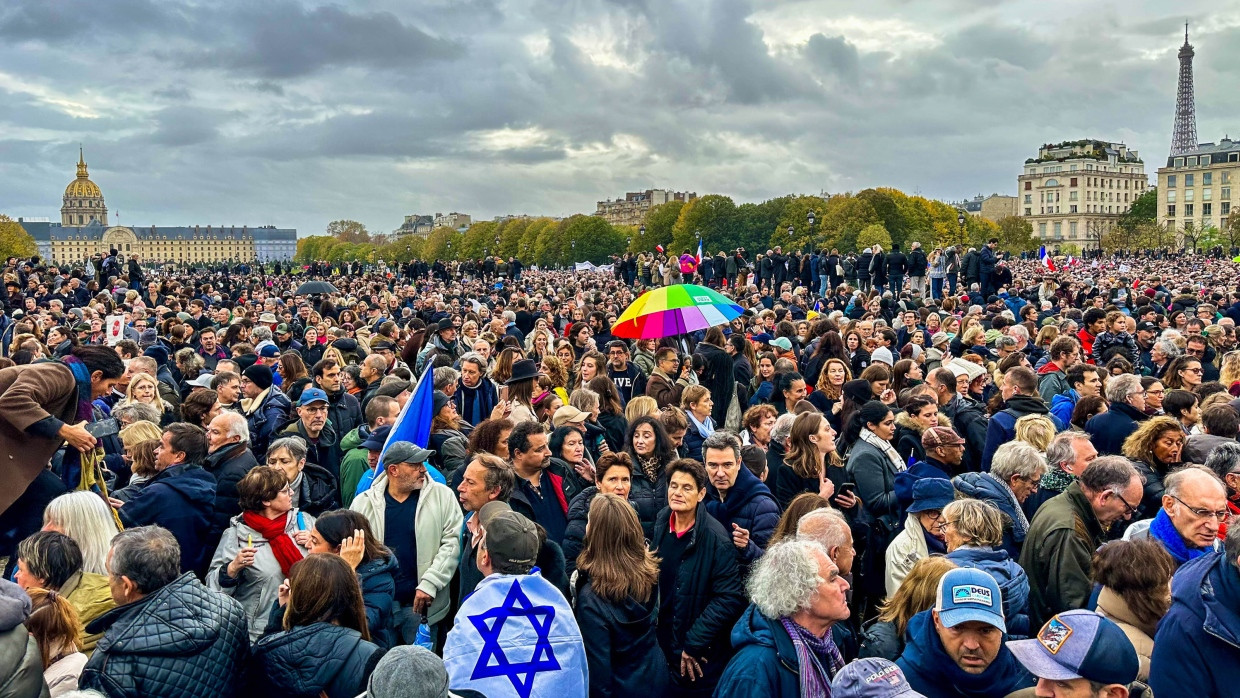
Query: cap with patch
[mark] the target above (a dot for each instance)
(968, 594)
(310, 395)
(762, 338)
(282, 328)
(509, 535)
(872, 677)
(1079, 645)
(405, 452)
(1147, 326)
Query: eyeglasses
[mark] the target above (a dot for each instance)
(1130, 509)
(1197, 370)
(1203, 513)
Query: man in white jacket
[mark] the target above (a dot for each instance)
(420, 521)
(515, 635)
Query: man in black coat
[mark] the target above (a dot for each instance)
(897, 267)
(228, 459)
(971, 267)
(779, 267)
(988, 258)
(202, 637)
(718, 378)
(917, 267)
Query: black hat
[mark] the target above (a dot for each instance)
(1147, 326)
(523, 370)
(445, 325)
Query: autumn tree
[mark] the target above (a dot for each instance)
(348, 231)
(714, 216)
(659, 223)
(874, 234)
(14, 240)
(1015, 234)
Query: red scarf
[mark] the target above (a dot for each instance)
(285, 550)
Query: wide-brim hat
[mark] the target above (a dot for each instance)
(523, 370)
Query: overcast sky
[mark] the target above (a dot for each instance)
(294, 114)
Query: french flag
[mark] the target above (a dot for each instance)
(1047, 261)
(699, 254)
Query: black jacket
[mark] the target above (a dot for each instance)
(228, 465)
(708, 595)
(622, 647)
(718, 378)
(575, 533)
(182, 640)
(647, 497)
(310, 661)
(751, 506)
(318, 491)
(897, 263)
(325, 451)
(344, 412)
(917, 263)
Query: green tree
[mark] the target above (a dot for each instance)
(795, 213)
(714, 216)
(659, 223)
(435, 245)
(348, 231)
(537, 229)
(842, 220)
(1144, 208)
(14, 240)
(874, 234)
(510, 233)
(1015, 234)
(588, 239)
(757, 222)
(886, 203)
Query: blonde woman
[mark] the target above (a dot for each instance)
(1229, 372)
(641, 406)
(1037, 430)
(144, 388)
(538, 344)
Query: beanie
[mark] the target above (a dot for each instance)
(259, 375)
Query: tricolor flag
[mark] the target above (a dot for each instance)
(1072, 261)
(699, 254)
(1047, 261)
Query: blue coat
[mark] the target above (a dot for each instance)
(1197, 648)
(931, 672)
(378, 582)
(765, 664)
(749, 505)
(985, 487)
(182, 500)
(1108, 430)
(311, 660)
(1062, 405)
(1013, 583)
(1002, 427)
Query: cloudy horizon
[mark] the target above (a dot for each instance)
(294, 114)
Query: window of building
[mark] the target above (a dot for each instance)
(1072, 209)
(1178, 162)
(1207, 178)
(1028, 211)
(1171, 197)
(1192, 161)
(1207, 209)
(1206, 194)
(1188, 180)
(1188, 210)
(1072, 168)
(1188, 195)
(1028, 198)
(1059, 230)
(1072, 229)
(1072, 182)
(1028, 186)
(1051, 183)
(1072, 196)
(1041, 229)
(1224, 193)
(1225, 176)
(1224, 208)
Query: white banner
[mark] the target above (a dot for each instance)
(115, 325)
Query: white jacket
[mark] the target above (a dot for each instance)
(437, 528)
(905, 550)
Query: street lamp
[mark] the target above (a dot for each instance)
(642, 230)
(409, 253)
(809, 218)
(960, 220)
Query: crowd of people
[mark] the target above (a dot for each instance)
(955, 473)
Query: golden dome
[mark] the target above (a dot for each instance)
(82, 187)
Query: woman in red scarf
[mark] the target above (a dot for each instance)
(260, 546)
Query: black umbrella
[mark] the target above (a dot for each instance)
(315, 287)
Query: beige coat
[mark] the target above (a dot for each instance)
(29, 394)
(1111, 605)
(437, 525)
(905, 550)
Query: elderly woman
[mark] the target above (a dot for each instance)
(260, 546)
(1135, 577)
(1015, 472)
(922, 534)
(1155, 450)
(139, 457)
(973, 531)
(314, 489)
(86, 518)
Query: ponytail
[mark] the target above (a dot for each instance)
(54, 624)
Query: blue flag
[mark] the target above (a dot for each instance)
(413, 424)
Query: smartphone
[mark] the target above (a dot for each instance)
(503, 393)
(847, 488)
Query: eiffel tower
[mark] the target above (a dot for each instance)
(1184, 135)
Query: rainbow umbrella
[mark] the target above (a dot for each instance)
(671, 310)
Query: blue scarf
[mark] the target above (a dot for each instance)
(1164, 531)
(81, 374)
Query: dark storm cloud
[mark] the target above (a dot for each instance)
(185, 125)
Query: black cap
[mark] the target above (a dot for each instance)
(1147, 326)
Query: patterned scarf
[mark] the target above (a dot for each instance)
(818, 660)
(1056, 480)
(1021, 524)
(650, 467)
(885, 446)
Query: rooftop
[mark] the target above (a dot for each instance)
(1085, 149)
(1213, 150)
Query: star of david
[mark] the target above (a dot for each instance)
(493, 662)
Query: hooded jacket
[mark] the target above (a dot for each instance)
(988, 488)
(310, 661)
(1062, 405)
(765, 664)
(21, 663)
(908, 546)
(907, 441)
(180, 641)
(1052, 381)
(353, 462)
(933, 673)
(1002, 427)
(751, 506)
(265, 414)
(91, 597)
(378, 581)
(1013, 584)
(343, 411)
(622, 647)
(1197, 647)
(181, 498)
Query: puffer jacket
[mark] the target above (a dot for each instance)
(317, 491)
(21, 664)
(751, 506)
(265, 419)
(310, 661)
(987, 488)
(880, 639)
(622, 648)
(766, 663)
(378, 580)
(708, 594)
(1195, 648)
(575, 532)
(181, 641)
(255, 586)
(1013, 583)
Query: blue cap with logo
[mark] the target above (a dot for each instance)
(1079, 645)
(872, 678)
(310, 395)
(967, 594)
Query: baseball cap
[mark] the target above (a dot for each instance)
(310, 395)
(1079, 645)
(509, 535)
(762, 338)
(377, 438)
(405, 452)
(940, 436)
(931, 493)
(567, 414)
(872, 678)
(269, 351)
(282, 328)
(782, 342)
(969, 594)
(1147, 326)
(202, 381)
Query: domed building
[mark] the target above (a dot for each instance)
(84, 231)
(83, 202)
